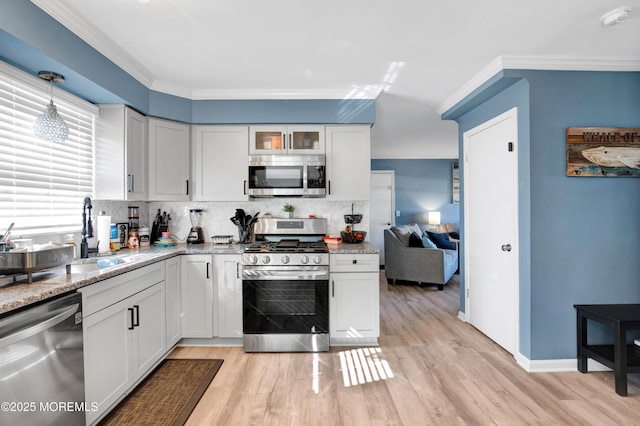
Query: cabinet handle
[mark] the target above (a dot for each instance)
(333, 288)
(354, 261)
(328, 187)
(244, 187)
(208, 264)
(237, 269)
(284, 141)
(187, 181)
(133, 183)
(129, 183)
(137, 311)
(290, 140)
(132, 323)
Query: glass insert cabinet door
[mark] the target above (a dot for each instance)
(286, 140)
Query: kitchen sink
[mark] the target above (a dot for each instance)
(103, 262)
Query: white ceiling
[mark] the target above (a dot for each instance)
(417, 53)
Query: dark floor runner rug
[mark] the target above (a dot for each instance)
(168, 395)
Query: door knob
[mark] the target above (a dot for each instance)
(506, 247)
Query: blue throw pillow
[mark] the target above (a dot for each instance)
(426, 242)
(415, 240)
(441, 240)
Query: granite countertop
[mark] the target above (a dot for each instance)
(361, 248)
(53, 282)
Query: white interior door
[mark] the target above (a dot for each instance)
(491, 239)
(382, 207)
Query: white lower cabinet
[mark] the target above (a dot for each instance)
(173, 300)
(148, 341)
(124, 334)
(107, 356)
(354, 306)
(228, 311)
(197, 295)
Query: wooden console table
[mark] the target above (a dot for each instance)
(620, 357)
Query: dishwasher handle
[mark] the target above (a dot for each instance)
(56, 318)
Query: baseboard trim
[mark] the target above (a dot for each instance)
(462, 316)
(213, 342)
(556, 365)
(353, 341)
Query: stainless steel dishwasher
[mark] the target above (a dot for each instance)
(41, 364)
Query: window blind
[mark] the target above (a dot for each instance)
(42, 184)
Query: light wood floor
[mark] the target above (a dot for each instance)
(441, 371)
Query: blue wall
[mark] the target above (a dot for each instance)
(578, 235)
(421, 186)
(33, 41)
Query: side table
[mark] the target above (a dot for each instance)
(620, 357)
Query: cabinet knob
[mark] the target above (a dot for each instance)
(354, 261)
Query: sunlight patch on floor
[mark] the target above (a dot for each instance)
(363, 365)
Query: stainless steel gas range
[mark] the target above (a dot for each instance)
(285, 287)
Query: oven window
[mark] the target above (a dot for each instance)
(276, 176)
(286, 300)
(284, 306)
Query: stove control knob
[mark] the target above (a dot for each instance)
(253, 259)
(285, 259)
(266, 259)
(304, 259)
(317, 260)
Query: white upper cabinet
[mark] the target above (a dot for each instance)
(281, 139)
(168, 160)
(121, 154)
(220, 163)
(348, 162)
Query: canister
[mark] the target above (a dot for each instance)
(143, 236)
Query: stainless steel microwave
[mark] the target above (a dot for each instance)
(287, 176)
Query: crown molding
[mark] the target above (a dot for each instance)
(252, 94)
(96, 39)
(281, 94)
(548, 63)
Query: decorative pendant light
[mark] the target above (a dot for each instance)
(50, 126)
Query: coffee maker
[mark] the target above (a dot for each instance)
(196, 236)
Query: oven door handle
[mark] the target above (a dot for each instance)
(262, 275)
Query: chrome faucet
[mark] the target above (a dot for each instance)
(87, 230)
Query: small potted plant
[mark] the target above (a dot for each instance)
(288, 210)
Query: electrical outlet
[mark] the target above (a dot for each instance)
(397, 213)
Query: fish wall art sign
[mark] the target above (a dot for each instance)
(603, 151)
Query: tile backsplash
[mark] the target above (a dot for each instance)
(216, 218)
